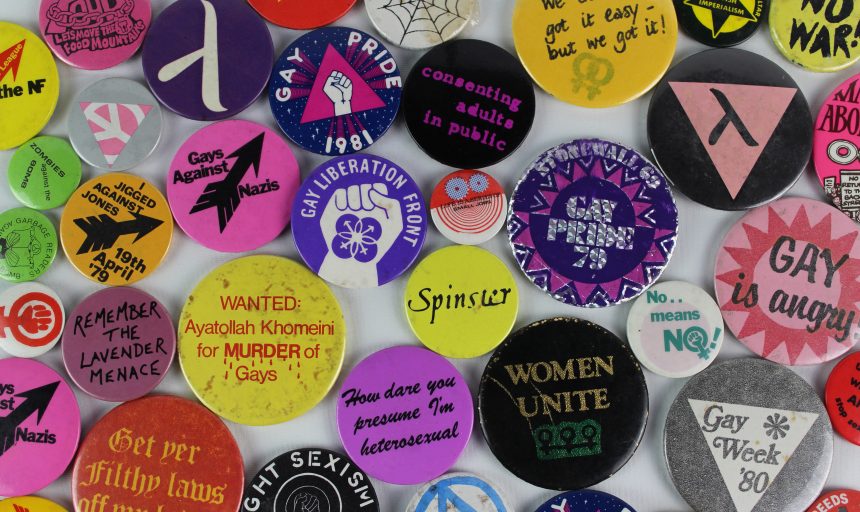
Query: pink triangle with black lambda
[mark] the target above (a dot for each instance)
(759, 108)
(319, 105)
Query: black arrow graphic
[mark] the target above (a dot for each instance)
(224, 194)
(37, 399)
(102, 231)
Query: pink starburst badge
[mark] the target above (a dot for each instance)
(786, 281)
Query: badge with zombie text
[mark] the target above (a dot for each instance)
(335, 91)
(592, 223)
(231, 186)
(786, 279)
(28, 244)
(468, 207)
(44, 172)
(116, 229)
(40, 425)
(94, 34)
(31, 320)
(359, 221)
(836, 147)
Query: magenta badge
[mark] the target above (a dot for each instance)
(404, 415)
(40, 425)
(118, 344)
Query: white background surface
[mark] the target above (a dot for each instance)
(375, 318)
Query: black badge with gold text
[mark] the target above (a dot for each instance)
(563, 404)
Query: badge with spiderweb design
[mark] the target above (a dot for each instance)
(418, 24)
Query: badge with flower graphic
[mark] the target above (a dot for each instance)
(468, 207)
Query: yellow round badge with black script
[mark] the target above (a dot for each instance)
(595, 53)
(461, 301)
(817, 35)
(116, 229)
(29, 85)
(261, 340)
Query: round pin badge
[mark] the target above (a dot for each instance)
(29, 85)
(841, 500)
(158, 453)
(44, 172)
(842, 399)
(468, 103)
(335, 91)
(563, 404)
(310, 479)
(261, 340)
(720, 23)
(94, 35)
(359, 221)
(741, 435)
(836, 147)
(815, 35)
(736, 118)
(592, 223)
(785, 279)
(461, 301)
(115, 124)
(595, 54)
(231, 186)
(675, 329)
(28, 245)
(585, 501)
(420, 25)
(118, 344)
(468, 207)
(32, 319)
(208, 59)
(116, 229)
(405, 415)
(298, 15)
(28, 504)
(459, 492)
(41, 426)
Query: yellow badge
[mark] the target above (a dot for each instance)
(595, 53)
(461, 301)
(29, 504)
(817, 35)
(261, 340)
(29, 85)
(116, 229)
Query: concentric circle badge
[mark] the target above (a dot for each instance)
(463, 491)
(94, 35)
(592, 223)
(41, 426)
(585, 501)
(299, 15)
(468, 207)
(29, 504)
(359, 221)
(786, 281)
(405, 415)
(335, 91)
(44, 172)
(261, 340)
(31, 320)
(116, 229)
(28, 244)
(231, 185)
(118, 344)
(836, 147)
(29, 85)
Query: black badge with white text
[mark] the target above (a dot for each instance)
(563, 404)
(310, 480)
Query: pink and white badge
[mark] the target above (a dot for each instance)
(404, 415)
(94, 34)
(231, 186)
(468, 207)
(786, 280)
(40, 426)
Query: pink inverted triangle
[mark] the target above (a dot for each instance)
(759, 107)
(320, 106)
(113, 125)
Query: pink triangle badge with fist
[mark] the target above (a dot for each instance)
(337, 82)
(734, 123)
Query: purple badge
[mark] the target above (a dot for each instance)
(404, 415)
(359, 221)
(593, 223)
(118, 344)
(208, 59)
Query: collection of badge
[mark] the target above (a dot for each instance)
(562, 403)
